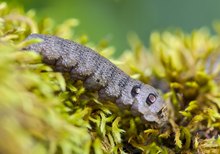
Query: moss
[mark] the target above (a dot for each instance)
(42, 111)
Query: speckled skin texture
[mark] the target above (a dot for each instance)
(99, 74)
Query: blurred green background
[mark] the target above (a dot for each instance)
(115, 19)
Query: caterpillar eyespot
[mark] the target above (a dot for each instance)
(151, 99)
(99, 74)
(135, 90)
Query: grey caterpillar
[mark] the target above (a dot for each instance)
(99, 74)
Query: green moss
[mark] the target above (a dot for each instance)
(42, 111)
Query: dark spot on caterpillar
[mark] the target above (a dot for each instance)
(98, 73)
(160, 113)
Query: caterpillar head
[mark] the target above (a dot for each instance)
(149, 104)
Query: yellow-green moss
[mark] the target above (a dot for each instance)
(42, 111)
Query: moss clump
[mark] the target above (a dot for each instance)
(42, 111)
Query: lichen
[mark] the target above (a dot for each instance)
(43, 111)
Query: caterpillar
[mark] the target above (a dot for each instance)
(99, 74)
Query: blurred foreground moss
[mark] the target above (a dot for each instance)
(44, 112)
